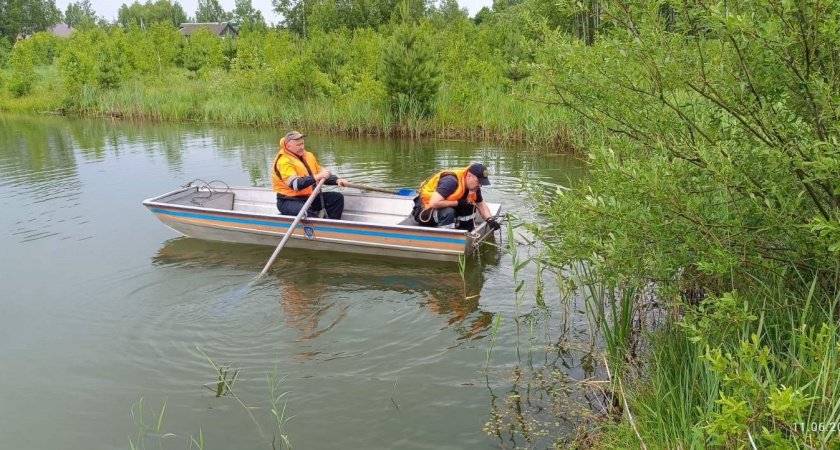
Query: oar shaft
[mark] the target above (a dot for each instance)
(294, 225)
(370, 188)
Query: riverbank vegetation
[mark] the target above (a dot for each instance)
(714, 205)
(405, 69)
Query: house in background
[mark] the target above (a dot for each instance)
(221, 29)
(61, 30)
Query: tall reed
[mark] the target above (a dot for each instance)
(493, 115)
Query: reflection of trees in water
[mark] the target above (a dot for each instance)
(36, 150)
(45, 143)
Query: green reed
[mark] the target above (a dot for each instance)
(394, 390)
(226, 380)
(756, 369)
(229, 388)
(278, 413)
(462, 269)
(493, 339)
(199, 444)
(518, 265)
(221, 97)
(143, 428)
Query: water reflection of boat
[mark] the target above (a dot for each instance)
(372, 224)
(306, 291)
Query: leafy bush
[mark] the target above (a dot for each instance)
(300, 78)
(713, 133)
(22, 75)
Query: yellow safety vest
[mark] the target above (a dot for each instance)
(429, 187)
(285, 157)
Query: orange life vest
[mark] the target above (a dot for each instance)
(429, 187)
(286, 157)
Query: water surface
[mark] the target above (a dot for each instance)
(101, 305)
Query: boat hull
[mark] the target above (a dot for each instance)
(377, 225)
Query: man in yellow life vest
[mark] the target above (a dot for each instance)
(294, 175)
(450, 199)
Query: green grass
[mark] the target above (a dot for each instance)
(496, 116)
(758, 366)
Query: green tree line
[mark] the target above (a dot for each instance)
(419, 69)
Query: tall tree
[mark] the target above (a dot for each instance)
(244, 15)
(448, 12)
(80, 15)
(411, 77)
(25, 17)
(294, 13)
(149, 13)
(301, 16)
(211, 11)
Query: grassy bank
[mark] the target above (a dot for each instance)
(500, 116)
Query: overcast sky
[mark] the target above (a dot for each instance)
(109, 8)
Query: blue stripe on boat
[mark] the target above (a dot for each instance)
(319, 228)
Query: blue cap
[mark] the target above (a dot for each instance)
(480, 171)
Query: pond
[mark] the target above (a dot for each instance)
(106, 312)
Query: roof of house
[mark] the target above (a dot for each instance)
(218, 28)
(61, 30)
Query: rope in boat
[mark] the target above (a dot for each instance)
(200, 200)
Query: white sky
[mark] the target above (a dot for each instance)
(109, 8)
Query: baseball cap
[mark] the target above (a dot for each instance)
(481, 172)
(292, 135)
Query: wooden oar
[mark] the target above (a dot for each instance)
(403, 192)
(223, 306)
(292, 228)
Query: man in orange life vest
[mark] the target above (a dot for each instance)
(450, 199)
(294, 175)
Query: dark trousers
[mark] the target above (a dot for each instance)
(441, 218)
(333, 203)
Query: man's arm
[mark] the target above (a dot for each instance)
(291, 178)
(438, 202)
(484, 210)
(446, 187)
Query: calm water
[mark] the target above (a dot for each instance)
(101, 305)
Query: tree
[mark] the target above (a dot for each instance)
(19, 18)
(80, 15)
(153, 50)
(149, 13)
(300, 16)
(294, 13)
(245, 16)
(22, 76)
(5, 51)
(211, 11)
(482, 15)
(410, 76)
(451, 12)
(204, 50)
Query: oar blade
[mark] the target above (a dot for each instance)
(406, 192)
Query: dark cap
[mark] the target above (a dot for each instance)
(480, 171)
(292, 135)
